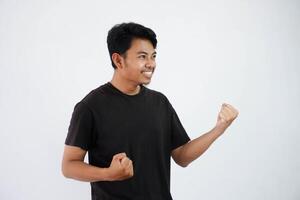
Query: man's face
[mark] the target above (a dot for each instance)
(139, 62)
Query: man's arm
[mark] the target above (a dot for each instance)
(73, 166)
(190, 151)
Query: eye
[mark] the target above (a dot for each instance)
(142, 56)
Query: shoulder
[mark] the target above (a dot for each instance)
(94, 97)
(155, 93)
(158, 95)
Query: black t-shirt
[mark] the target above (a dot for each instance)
(145, 126)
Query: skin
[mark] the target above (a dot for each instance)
(129, 73)
(127, 77)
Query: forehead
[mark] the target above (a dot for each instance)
(138, 45)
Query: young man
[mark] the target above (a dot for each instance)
(130, 131)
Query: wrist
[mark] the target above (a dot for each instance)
(219, 129)
(105, 174)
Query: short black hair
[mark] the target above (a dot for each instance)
(120, 36)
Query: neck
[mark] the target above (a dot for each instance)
(124, 86)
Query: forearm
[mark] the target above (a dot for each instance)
(82, 171)
(198, 146)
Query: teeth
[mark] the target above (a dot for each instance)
(149, 74)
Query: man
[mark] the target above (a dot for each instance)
(130, 131)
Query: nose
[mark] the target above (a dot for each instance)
(150, 64)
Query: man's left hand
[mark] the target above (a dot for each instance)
(226, 116)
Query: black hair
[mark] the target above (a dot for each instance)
(120, 36)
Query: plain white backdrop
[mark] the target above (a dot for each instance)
(246, 53)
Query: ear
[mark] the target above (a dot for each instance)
(118, 60)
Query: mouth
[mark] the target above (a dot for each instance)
(148, 73)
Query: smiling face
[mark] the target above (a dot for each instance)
(138, 63)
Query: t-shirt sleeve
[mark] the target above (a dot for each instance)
(80, 132)
(178, 133)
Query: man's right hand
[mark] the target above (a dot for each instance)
(120, 167)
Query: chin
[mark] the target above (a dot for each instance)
(146, 82)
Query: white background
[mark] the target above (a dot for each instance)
(245, 53)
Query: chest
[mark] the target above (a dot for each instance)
(130, 126)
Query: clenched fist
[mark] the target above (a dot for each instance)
(226, 116)
(120, 167)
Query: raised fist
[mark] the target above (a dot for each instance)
(227, 115)
(120, 168)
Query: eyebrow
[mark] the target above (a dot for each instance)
(144, 52)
